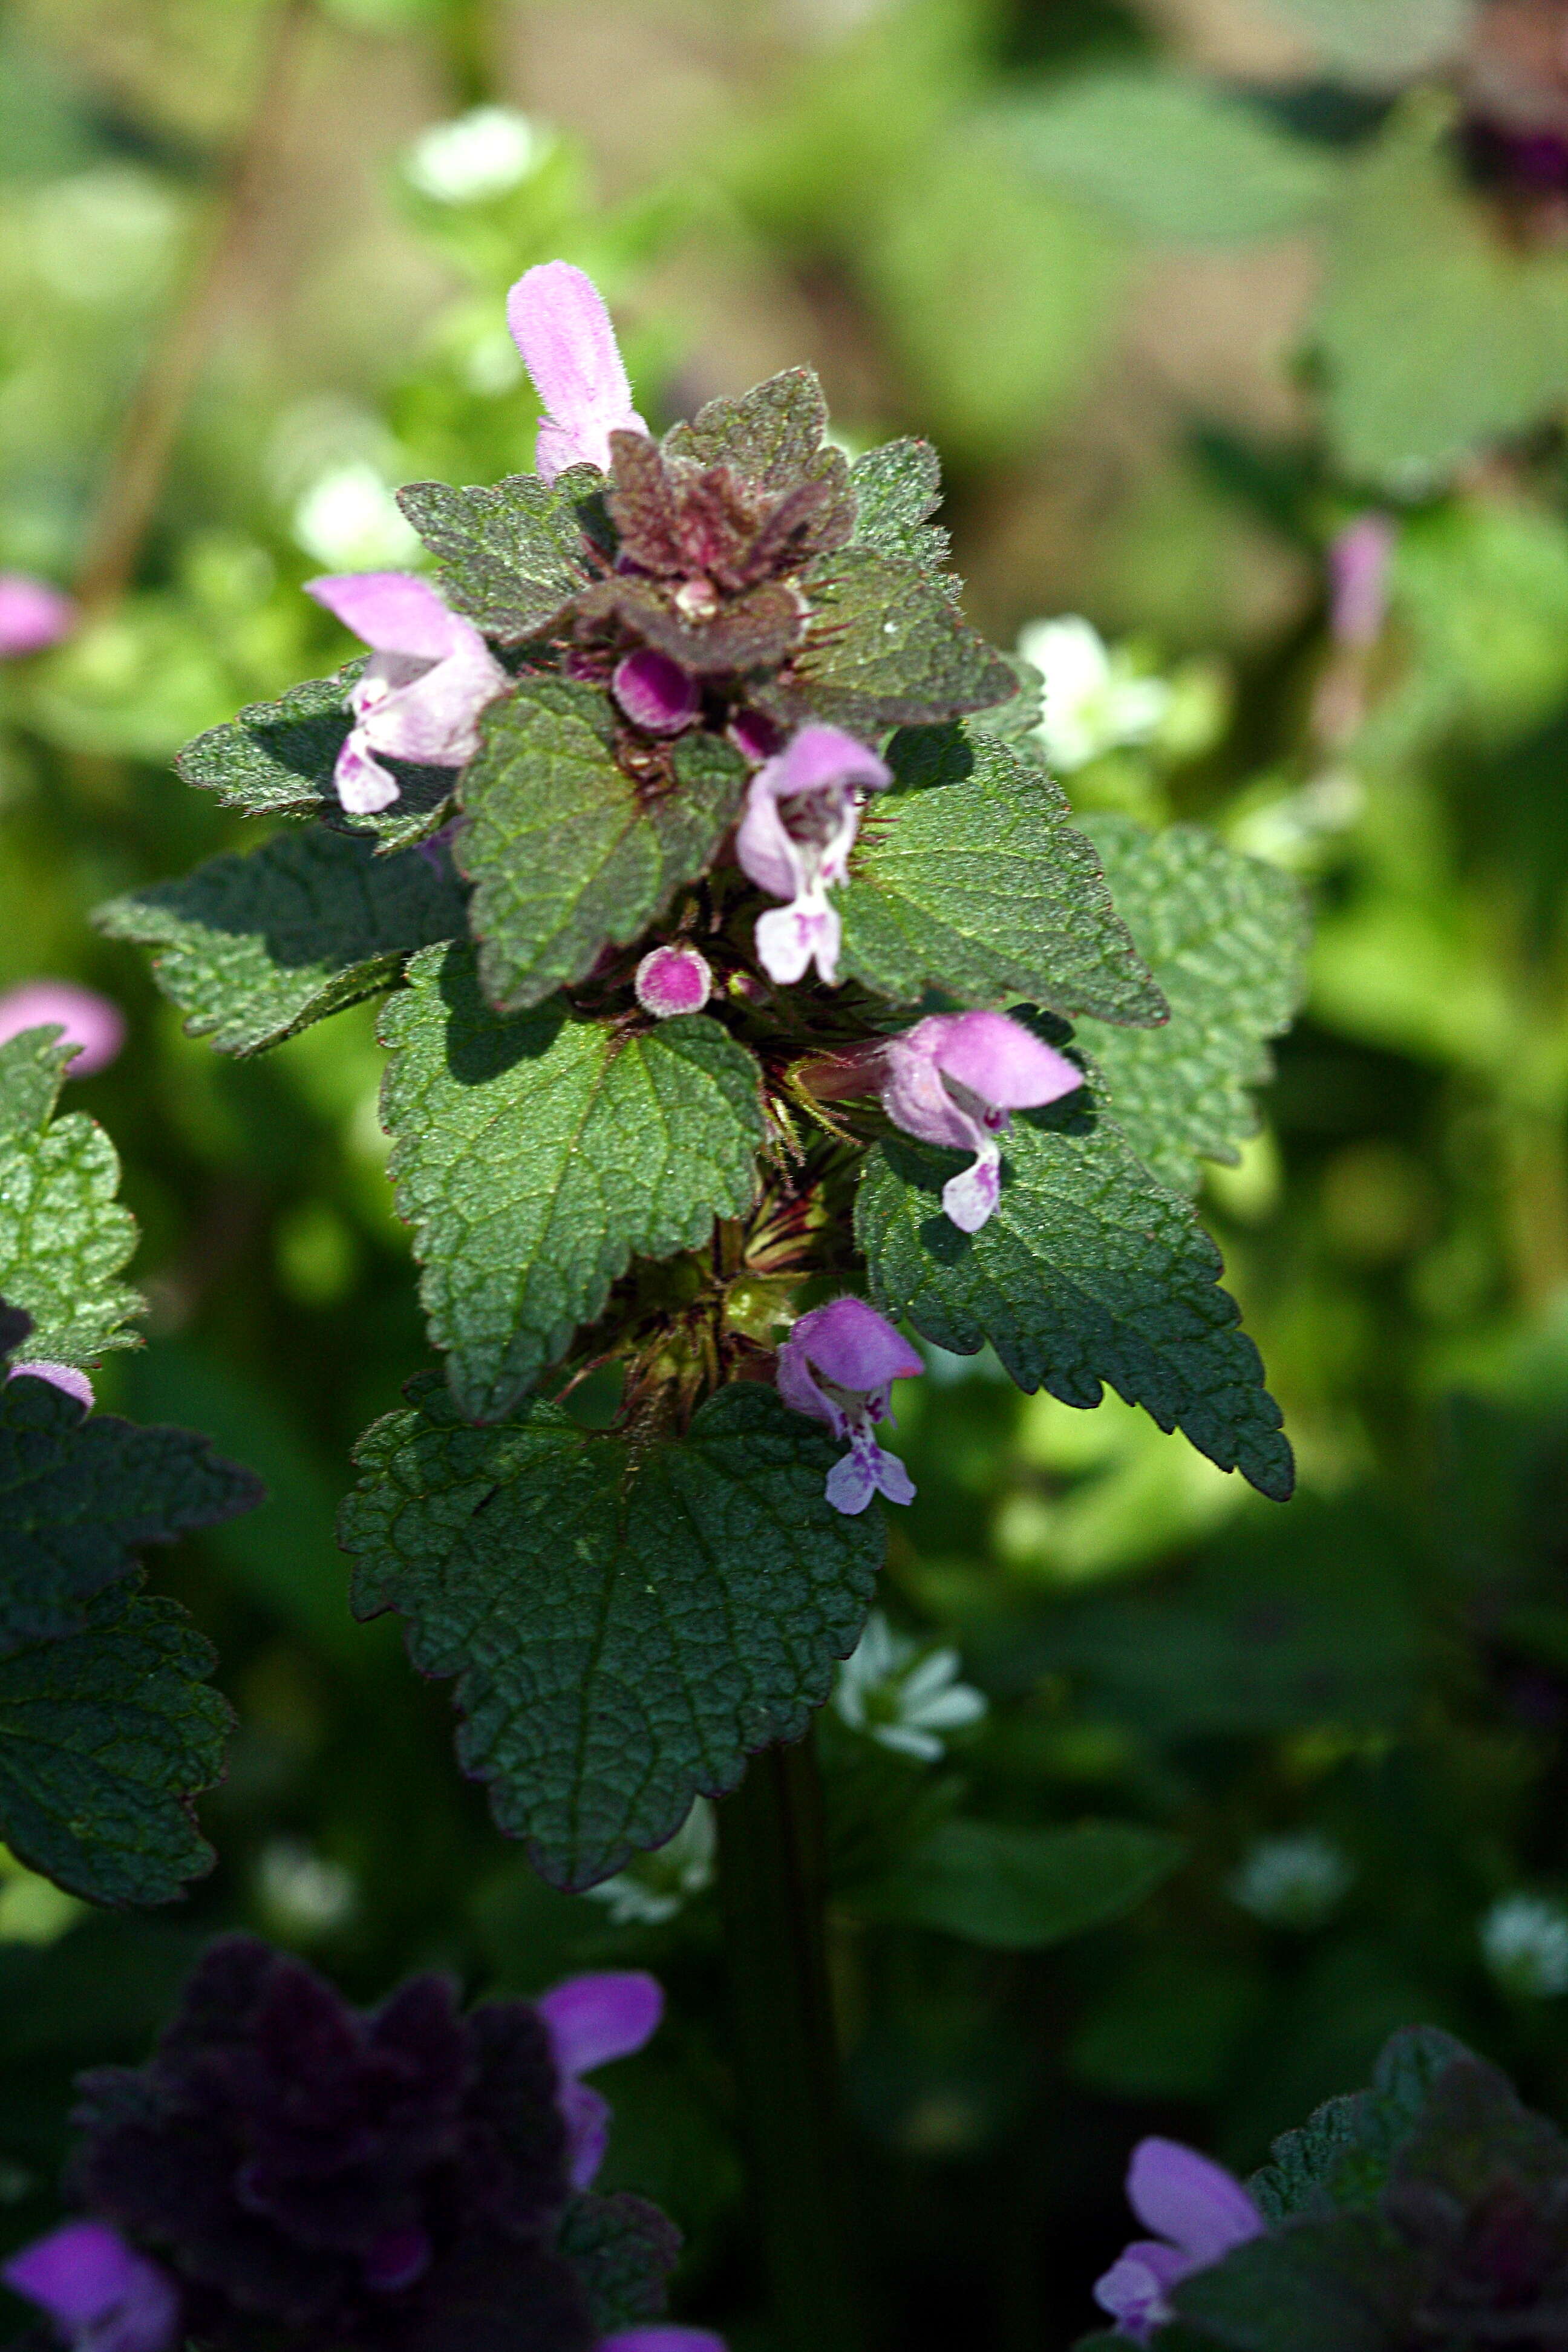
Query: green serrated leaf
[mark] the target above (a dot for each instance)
(771, 436)
(1089, 1271)
(970, 878)
(629, 1624)
(567, 853)
(1344, 2153)
(622, 2250)
(512, 552)
(277, 759)
(80, 1496)
(1173, 157)
(1225, 938)
(255, 948)
(64, 1237)
(1348, 2283)
(885, 648)
(105, 1738)
(1020, 1889)
(535, 1156)
(896, 487)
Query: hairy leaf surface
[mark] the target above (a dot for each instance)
(105, 1738)
(970, 878)
(896, 487)
(1225, 937)
(254, 949)
(771, 436)
(566, 851)
(1090, 1271)
(535, 1156)
(885, 648)
(79, 1496)
(512, 552)
(64, 1237)
(627, 1626)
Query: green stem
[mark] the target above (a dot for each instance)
(771, 1882)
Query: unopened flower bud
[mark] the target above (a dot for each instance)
(656, 693)
(673, 980)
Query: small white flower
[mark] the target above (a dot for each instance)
(481, 154)
(1524, 1942)
(1095, 701)
(349, 519)
(302, 1893)
(656, 1886)
(1294, 1881)
(901, 1698)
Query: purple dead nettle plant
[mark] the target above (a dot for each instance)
(430, 675)
(839, 1365)
(1199, 2213)
(288, 2170)
(560, 326)
(956, 1078)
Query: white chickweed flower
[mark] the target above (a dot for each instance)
(349, 519)
(302, 1893)
(656, 1886)
(903, 1697)
(1293, 1881)
(479, 155)
(1094, 700)
(1524, 1942)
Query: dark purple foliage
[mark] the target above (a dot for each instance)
(395, 2179)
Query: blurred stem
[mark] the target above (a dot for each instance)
(771, 1885)
(128, 499)
(471, 43)
(1536, 1178)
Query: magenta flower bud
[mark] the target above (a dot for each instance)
(100, 2294)
(430, 675)
(839, 1365)
(58, 1376)
(1199, 2212)
(396, 2260)
(32, 616)
(590, 2019)
(560, 326)
(955, 1079)
(656, 693)
(1358, 557)
(90, 1023)
(802, 812)
(657, 2336)
(673, 980)
(754, 734)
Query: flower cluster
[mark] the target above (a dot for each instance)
(287, 2169)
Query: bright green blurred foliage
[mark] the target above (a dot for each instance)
(1173, 327)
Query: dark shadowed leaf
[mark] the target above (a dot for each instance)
(535, 1156)
(627, 1626)
(254, 949)
(566, 851)
(970, 878)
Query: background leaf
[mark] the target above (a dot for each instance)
(1225, 938)
(626, 1627)
(970, 878)
(1022, 1889)
(1089, 1271)
(63, 1235)
(535, 1156)
(254, 949)
(566, 853)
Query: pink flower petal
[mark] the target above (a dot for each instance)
(999, 1059)
(394, 611)
(64, 1377)
(560, 326)
(789, 937)
(33, 615)
(661, 2338)
(655, 692)
(1194, 2202)
(89, 2280)
(89, 1021)
(818, 758)
(671, 981)
(853, 1346)
(587, 2118)
(593, 2019)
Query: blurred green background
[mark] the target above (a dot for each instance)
(1183, 289)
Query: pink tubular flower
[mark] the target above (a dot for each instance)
(655, 692)
(430, 675)
(673, 980)
(560, 326)
(661, 2338)
(1199, 2212)
(839, 1365)
(102, 2294)
(32, 616)
(1358, 559)
(58, 1376)
(590, 2019)
(954, 1078)
(802, 816)
(91, 1023)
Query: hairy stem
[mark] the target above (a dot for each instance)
(771, 1882)
(134, 482)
